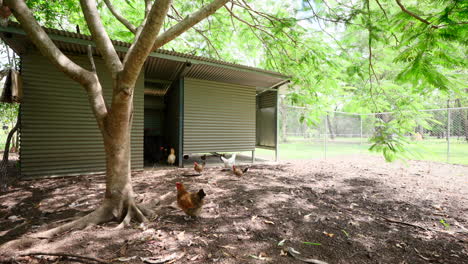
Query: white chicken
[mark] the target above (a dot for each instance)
(228, 163)
(171, 158)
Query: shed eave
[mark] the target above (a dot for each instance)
(120, 48)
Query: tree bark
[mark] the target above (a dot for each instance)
(4, 162)
(119, 201)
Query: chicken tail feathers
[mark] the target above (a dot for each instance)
(245, 170)
(201, 194)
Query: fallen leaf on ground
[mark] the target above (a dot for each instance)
(312, 243)
(344, 232)
(126, 259)
(228, 247)
(181, 236)
(281, 243)
(295, 254)
(161, 260)
(261, 256)
(328, 234)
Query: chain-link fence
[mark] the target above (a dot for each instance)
(4, 130)
(437, 135)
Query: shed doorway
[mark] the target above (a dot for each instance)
(155, 147)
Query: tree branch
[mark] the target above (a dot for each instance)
(381, 8)
(140, 49)
(45, 45)
(148, 4)
(91, 59)
(99, 34)
(95, 97)
(414, 15)
(188, 22)
(119, 17)
(48, 49)
(197, 30)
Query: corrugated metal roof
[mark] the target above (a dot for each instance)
(162, 64)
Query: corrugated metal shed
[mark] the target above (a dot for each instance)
(218, 117)
(59, 134)
(212, 109)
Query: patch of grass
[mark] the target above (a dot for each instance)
(431, 150)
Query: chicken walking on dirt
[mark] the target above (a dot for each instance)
(199, 167)
(190, 202)
(238, 171)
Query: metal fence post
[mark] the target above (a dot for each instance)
(360, 141)
(326, 135)
(448, 135)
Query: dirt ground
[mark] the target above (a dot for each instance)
(359, 210)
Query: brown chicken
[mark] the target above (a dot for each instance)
(190, 202)
(238, 171)
(199, 167)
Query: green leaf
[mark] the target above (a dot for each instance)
(312, 243)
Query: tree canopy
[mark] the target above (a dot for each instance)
(400, 56)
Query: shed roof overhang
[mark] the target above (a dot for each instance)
(162, 66)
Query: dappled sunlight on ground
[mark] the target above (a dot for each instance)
(359, 210)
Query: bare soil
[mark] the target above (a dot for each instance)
(359, 210)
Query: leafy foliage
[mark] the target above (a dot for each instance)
(359, 56)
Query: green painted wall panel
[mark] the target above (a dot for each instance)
(59, 134)
(218, 117)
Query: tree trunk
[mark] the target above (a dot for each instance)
(4, 162)
(119, 202)
(330, 127)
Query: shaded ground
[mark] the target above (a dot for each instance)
(348, 208)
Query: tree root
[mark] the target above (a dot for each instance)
(101, 215)
(71, 256)
(133, 212)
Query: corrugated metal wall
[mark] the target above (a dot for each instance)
(266, 119)
(59, 134)
(218, 117)
(154, 115)
(267, 99)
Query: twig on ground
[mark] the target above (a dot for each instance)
(421, 256)
(81, 258)
(403, 223)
